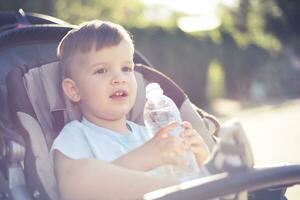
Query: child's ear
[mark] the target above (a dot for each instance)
(70, 89)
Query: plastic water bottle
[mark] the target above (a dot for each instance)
(159, 112)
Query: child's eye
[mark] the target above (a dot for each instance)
(101, 71)
(127, 69)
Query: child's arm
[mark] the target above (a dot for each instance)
(161, 149)
(95, 179)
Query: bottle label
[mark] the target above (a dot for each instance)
(158, 118)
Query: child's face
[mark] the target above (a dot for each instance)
(105, 82)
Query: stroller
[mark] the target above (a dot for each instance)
(34, 110)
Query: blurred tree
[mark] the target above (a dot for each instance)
(283, 21)
(245, 47)
(246, 24)
(40, 6)
(126, 12)
(242, 15)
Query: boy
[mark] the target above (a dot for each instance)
(97, 60)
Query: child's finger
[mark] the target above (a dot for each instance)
(174, 149)
(198, 149)
(186, 125)
(202, 153)
(196, 140)
(164, 132)
(198, 146)
(176, 146)
(176, 158)
(188, 133)
(192, 138)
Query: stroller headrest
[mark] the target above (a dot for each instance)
(33, 34)
(50, 76)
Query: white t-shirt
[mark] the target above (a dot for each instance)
(79, 140)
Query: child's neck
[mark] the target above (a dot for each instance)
(118, 125)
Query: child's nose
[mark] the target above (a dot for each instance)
(118, 78)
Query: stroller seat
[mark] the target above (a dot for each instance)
(39, 110)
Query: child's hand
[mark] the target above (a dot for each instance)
(194, 142)
(167, 149)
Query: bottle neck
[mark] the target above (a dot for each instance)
(154, 94)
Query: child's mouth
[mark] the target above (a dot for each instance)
(119, 95)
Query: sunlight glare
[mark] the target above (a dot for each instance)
(201, 15)
(191, 7)
(199, 23)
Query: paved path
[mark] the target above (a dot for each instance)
(274, 134)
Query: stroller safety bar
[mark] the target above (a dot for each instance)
(224, 184)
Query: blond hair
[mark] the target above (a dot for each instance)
(90, 35)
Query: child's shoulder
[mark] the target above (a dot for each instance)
(72, 126)
(74, 123)
(73, 130)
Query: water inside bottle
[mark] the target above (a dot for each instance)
(161, 117)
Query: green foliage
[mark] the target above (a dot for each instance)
(125, 12)
(282, 20)
(252, 30)
(215, 81)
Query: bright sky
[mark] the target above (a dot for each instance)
(201, 14)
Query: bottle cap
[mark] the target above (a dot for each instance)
(153, 90)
